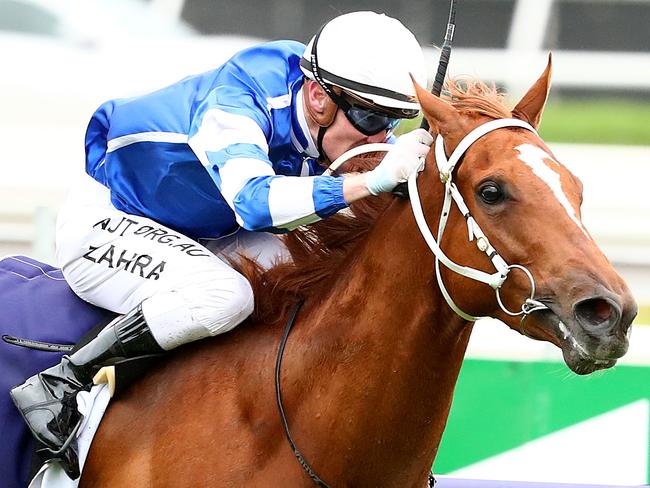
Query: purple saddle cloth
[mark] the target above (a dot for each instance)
(35, 303)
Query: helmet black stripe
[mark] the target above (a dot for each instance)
(355, 85)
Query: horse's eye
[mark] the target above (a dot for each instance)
(491, 193)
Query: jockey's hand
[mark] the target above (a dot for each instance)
(406, 156)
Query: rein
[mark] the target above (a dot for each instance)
(445, 167)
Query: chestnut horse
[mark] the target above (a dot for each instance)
(370, 367)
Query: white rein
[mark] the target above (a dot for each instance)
(445, 168)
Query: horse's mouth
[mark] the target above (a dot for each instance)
(575, 351)
(576, 355)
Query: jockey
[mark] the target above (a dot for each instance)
(237, 151)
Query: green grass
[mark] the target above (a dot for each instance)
(589, 122)
(597, 122)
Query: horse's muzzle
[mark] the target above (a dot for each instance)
(606, 321)
(594, 332)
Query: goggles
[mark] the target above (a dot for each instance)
(367, 121)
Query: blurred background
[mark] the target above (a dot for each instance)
(516, 404)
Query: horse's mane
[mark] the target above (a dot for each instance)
(319, 251)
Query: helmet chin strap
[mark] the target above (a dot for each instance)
(324, 119)
(323, 157)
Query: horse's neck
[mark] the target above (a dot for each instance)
(392, 350)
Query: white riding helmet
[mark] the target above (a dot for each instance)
(369, 55)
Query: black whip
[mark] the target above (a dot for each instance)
(402, 190)
(445, 54)
(443, 62)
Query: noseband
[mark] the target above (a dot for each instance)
(446, 166)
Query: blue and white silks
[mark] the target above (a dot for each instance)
(217, 150)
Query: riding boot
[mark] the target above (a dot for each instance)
(47, 401)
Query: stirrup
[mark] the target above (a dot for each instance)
(66, 455)
(73, 434)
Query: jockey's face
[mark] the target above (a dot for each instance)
(342, 136)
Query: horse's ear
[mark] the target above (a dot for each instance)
(531, 106)
(440, 114)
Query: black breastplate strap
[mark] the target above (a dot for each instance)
(278, 396)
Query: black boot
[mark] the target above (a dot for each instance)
(47, 401)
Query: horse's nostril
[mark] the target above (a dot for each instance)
(602, 310)
(597, 313)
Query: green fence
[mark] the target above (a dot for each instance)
(536, 421)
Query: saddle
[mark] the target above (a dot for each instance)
(41, 313)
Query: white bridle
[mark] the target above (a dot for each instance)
(446, 168)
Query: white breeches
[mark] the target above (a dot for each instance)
(116, 261)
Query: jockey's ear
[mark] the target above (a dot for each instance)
(319, 106)
(440, 114)
(531, 106)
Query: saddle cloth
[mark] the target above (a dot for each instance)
(35, 303)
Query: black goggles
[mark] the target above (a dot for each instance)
(367, 121)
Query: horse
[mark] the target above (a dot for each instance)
(369, 370)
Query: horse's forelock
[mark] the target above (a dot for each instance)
(469, 95)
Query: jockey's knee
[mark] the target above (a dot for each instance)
(190, 313)
(223, 304)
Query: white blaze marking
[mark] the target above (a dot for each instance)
(534, 157)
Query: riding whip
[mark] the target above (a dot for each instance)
(445, 54)
(401, 190)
